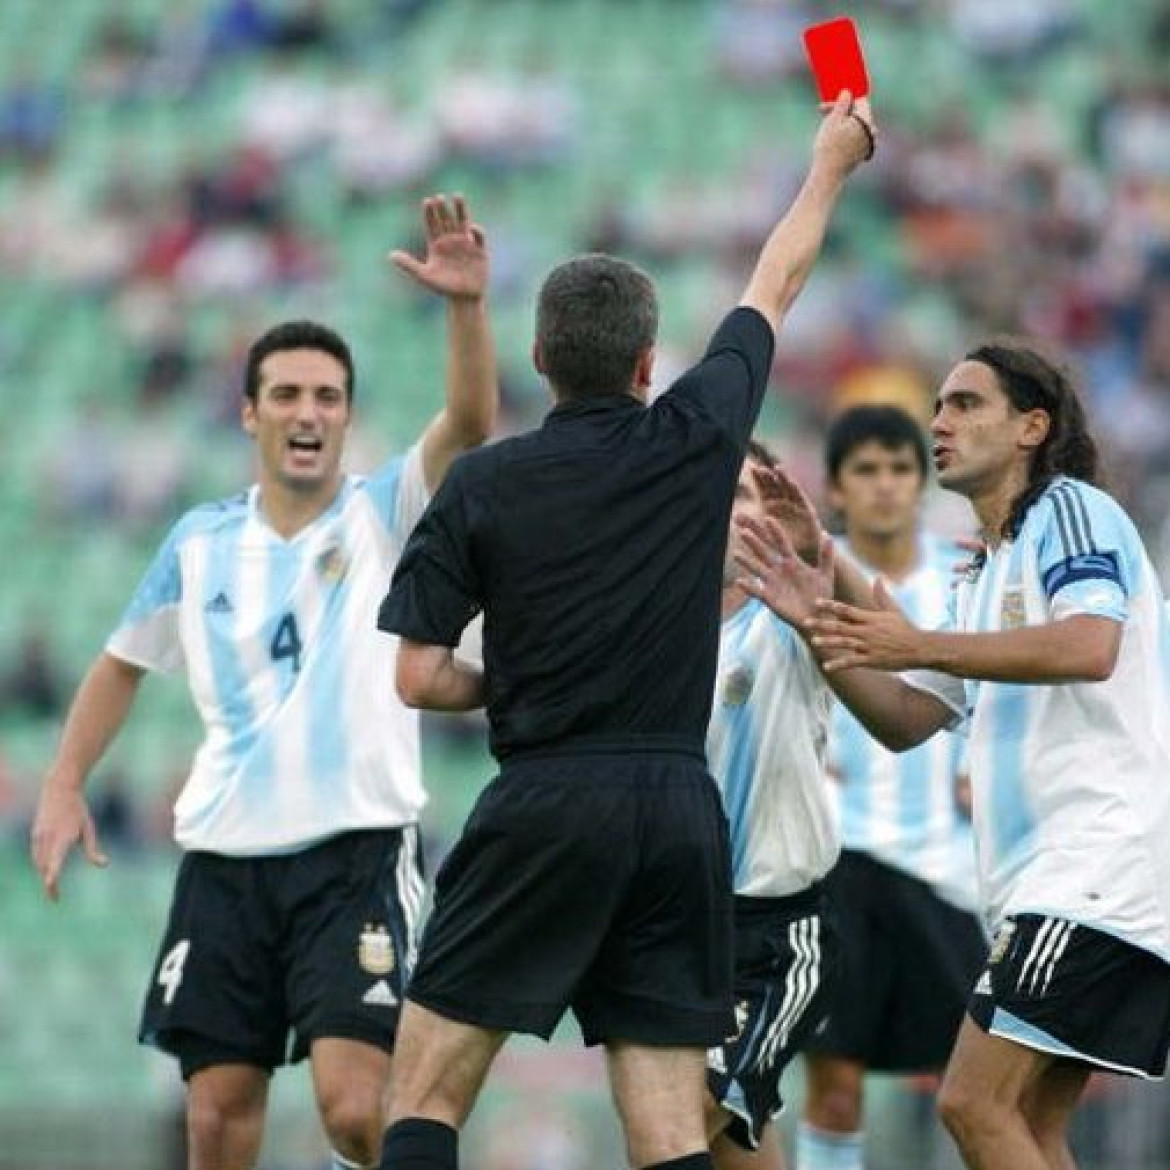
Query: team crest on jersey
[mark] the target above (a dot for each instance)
(332, 564)
(376, 950)
(999, 946)
(737, 686)
(1013, 613)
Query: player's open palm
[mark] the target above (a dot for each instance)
(785, 582)
(786, 503)
(456, 260)
(62, 820)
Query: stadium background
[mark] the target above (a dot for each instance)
(174, 176)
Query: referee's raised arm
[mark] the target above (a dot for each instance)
(845, 140)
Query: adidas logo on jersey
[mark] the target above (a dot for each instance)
(220, 603)
(983, 987)
(380, 995)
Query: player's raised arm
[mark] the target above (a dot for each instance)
(456, 267)
(845, 140)
(99, 709)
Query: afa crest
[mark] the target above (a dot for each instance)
(375, 950)
(1013, 612)
(332, 564)
(736, 686)
(1003, 940)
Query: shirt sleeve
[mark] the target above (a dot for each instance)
(399, 492)
(729, 383)
(1085, 553)
(148, 634)
(949, 690)
(435, 590)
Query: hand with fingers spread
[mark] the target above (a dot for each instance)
(773, 571)
(456, 260)
(844, 636)
(62, 821)
(787, 504)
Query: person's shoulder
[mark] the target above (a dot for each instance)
(210, 517)
(1073, 505)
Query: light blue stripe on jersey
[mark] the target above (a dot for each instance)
(229, 677)
(740, 767)
(383, 489)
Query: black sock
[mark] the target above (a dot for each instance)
(417, 1143)
(699, 1161)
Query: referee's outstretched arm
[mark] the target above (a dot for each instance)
(845, 139)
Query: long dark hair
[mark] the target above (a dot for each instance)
(1034, 381)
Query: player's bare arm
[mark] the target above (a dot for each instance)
(432, 677)
(455, 267)
(1081, 648)
(843, 142)
(63, 820)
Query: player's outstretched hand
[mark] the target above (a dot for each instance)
(785, 582)
(62, 820)
(456, 260)
(844, 636)
(848, 135)
(786, 503)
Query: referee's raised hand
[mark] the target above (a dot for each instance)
(848, 135)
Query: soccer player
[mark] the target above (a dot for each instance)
(903, 893)
(593, 873)
(296, 904)
(766, 750)
(1058, 660)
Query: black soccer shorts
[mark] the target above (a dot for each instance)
(263, 955)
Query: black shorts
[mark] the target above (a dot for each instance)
(909, 961)
(316, 943)
(1060, 987)
(785, 957)
(600, 883)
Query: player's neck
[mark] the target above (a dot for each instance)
(893, 555)
(993, 505)
(289, 512)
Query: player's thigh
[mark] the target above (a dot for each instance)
(216, 990)
(660, 1094)
(439, 1066)
(352, 906)
(351, 1081)
(989, 1073)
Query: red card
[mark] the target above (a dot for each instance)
(834, 51)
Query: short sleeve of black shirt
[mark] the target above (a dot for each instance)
(435, 591)
(729, 382)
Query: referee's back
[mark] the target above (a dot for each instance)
(594, 546)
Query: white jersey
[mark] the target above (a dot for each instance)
(900, 807)
(766, 750)
(1072, 782)
(305, 736)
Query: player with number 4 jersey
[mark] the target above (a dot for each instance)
(292, 929)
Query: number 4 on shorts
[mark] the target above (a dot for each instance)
(170, 970)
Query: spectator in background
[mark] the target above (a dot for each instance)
(32, 684)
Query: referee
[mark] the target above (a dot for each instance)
(593, 873)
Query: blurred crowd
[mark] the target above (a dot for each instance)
(1032, 196)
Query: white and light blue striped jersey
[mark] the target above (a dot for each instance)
(1071, 782)
(305, 736)
(901, 808)
(766, 749)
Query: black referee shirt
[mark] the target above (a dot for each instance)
(594, 546)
